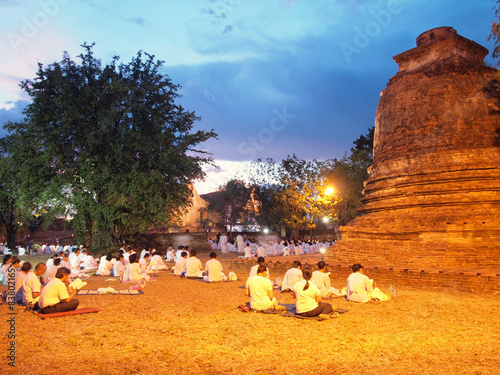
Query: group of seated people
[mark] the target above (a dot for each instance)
(54, 296)
(191, 267)
(308, 288)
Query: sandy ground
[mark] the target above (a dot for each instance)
(181, 326)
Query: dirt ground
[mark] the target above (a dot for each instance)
(181, 326)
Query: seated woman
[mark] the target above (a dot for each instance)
(156, 262)
(118, 267)
(105, 265)
(359, 286)
(308, 298)
(133, 270)
(292, 276)
(260, 291)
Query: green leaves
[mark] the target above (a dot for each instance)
(114, 136)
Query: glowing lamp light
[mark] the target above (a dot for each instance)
(266, 231)
(325, 219)
(329, 191)
(322, 250)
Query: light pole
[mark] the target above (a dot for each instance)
(322, 251)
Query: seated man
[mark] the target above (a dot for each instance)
(260, 291)
(56, 297)
(260, 262)
(52, 270)
(321, 278)
(105, 265)
(214, 269)
(33, 287)
(180, 264)
(193, 266)
(292, 276)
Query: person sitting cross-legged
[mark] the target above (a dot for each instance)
(308, 298)
(260, 291)
(56, 296)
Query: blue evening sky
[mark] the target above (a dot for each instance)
(271, 77)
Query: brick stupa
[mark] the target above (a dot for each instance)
(433, 195)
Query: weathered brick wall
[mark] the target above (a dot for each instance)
(433, 195)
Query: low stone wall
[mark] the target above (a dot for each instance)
(483, 281)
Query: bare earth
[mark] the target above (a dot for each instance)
(181, 326)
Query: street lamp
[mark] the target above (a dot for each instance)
(322, 251)
(329, 191)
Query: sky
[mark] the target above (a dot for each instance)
(271, 77)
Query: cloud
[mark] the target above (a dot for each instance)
(139, 21)
(14, 113)
(228, 29)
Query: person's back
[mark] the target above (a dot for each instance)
(359, 286)
(194, 266)
(180, 264)
(214, 269)
(292, 276)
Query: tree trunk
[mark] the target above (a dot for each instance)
(9, 219)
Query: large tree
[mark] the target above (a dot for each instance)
(292, 193)
(118, 143)
(23, 184)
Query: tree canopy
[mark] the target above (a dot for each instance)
(495, 32)
(114, 140)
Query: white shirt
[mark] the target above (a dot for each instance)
(322, 281)
(306, 299)
(31, 285)
(53, 293)
(359, 287)
(292, 276)
(258, 287)
(214, 270)
(194, 267)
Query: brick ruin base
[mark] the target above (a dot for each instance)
(477, 281)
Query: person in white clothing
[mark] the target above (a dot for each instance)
(157, 263)
(223, 243)
(170, 257)
(308, 298)
(260, 291)
(321, 279)
(105, 265)
(359, 286)
(261, 250)
(248, 251)
(56, 296)
(240, 243)
(118, 267)
(33, 287)
(292, 276)
(133, 270)
(52, 270)
(19, 282)
(180, 265)
(194, 267)
(214, 269)
(260, 262)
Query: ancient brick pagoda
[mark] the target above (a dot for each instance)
(433, 195)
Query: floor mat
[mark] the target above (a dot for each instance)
(85, 310)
